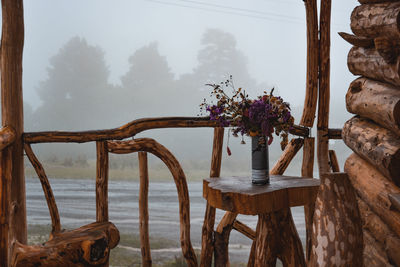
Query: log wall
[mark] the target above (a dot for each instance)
(374, 133)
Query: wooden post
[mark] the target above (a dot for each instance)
(307, 170)
(207, 242)
(310, 102)
(324, 86)
(102, 182)
(5, 190)
(144, 210)
(12, 43)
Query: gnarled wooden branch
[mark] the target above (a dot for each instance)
(48, 192)
(131, 129)
(151, 146)
(88, 245)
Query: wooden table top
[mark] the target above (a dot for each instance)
(239, 195)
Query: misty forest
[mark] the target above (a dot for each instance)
(77, 95)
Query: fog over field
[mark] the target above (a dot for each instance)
(100, 64)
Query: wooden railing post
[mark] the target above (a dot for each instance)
(102, 182)
(12, 43)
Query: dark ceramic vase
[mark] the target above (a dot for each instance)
(259, 161)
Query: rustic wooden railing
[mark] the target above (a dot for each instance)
(7, 137)
(109, 141)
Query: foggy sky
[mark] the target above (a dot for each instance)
(271, 34)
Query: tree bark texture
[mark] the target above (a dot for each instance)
(310, 102)
(379, 146)
(207, 240)
(144, 210)
(337, 236)
(151, 146)
(376, 20)
(101, 182)
(357, 40)
(368, 63)
(12, 43)
(375, 100)
(86, 246)
(374, 189)
(380, 232)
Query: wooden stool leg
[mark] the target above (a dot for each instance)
(277, 237)
(265, 254)
(291, 253)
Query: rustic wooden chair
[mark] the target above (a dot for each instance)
(88, 245)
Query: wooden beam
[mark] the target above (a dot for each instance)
(324, 86)
(374, 189)
(310, 101)
(334, 133)
(12, 44)
(376, 20)
(369, 63)
(369, 98)
(379, 146)
(244, 229)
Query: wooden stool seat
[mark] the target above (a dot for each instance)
(239, 195)
(88, 245)
(276, 235)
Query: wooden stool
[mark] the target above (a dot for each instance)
(276, 236)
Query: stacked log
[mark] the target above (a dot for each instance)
(374, 132)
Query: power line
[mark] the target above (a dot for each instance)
(242, 9)
(278, 16)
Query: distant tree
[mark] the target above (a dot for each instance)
(147, 68)
(219, 58)
(149, 83)
(76, 93)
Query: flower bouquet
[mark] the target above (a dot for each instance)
(259, 118)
